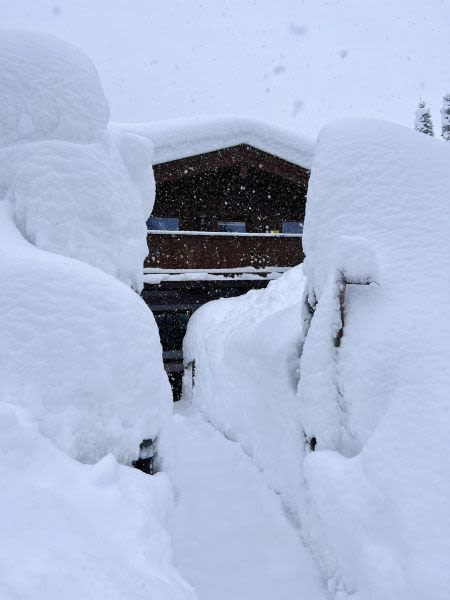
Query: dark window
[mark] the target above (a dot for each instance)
(232, 226)
(163, 223)
(292, 227)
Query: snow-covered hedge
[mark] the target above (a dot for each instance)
(49, 90)
(373, 394)
(78, 349)
(77, 189)
(378, 403)
(81, 373)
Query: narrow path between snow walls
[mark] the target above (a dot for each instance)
(232, 539)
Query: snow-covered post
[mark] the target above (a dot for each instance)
(445, 117)
(356, 264)
(423, 121)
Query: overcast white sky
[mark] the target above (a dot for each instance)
(299, 63)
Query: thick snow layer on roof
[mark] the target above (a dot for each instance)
(379, 485)
(180, 138)
(246, 352)
(48, 90)
(76, 531)
(84, 200)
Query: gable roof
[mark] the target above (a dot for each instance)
(181, 138)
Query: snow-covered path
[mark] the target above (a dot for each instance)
(232, 539)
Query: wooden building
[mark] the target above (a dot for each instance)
(228, 216)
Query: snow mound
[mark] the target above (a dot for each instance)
(372, 401)
(77, 189)
(179, 138)
(81, 201)
(246, 351)
(79, 350)
(375, 395)
(48, 90)
(80, 531)
(81, 372)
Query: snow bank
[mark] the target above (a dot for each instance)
(77, 189)
(80, 350)
(180, 138)
(379, 487)
(81, 373)
(80, 201)
(246, 351)
(374, 372)
(48, 90)
(79, 531)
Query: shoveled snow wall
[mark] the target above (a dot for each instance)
(372, 401)
(246, 351)
(378, 484)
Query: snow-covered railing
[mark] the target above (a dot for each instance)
(239, 270)
(158, 275)
(223, 233)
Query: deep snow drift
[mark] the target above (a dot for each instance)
(79, 349)
(50, 90)
(373, 498)
(77, 531)
(77, 189)
(382, 417)
(81, 373)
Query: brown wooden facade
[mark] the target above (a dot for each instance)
(183, 250)
(237, 184)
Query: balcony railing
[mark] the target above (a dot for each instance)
(222, 250)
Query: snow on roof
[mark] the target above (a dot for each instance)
(179, 138)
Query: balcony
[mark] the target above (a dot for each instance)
(222, 250)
